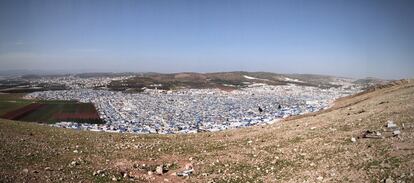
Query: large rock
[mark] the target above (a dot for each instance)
(389, 180)
(391, 124)
(353, 139)
(159, 170)
(25, 170)
(396, 132)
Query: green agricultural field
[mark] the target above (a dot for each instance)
(7, 106)
(10, 102)
(48, 111)
(47, 114)
(11, 96)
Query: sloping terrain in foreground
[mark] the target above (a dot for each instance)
(328, 146)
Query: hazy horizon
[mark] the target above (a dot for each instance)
(340, 38)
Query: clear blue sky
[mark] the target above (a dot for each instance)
(356, 38)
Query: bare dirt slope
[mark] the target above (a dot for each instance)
(311, 148)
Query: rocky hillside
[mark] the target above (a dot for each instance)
(364, 138)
